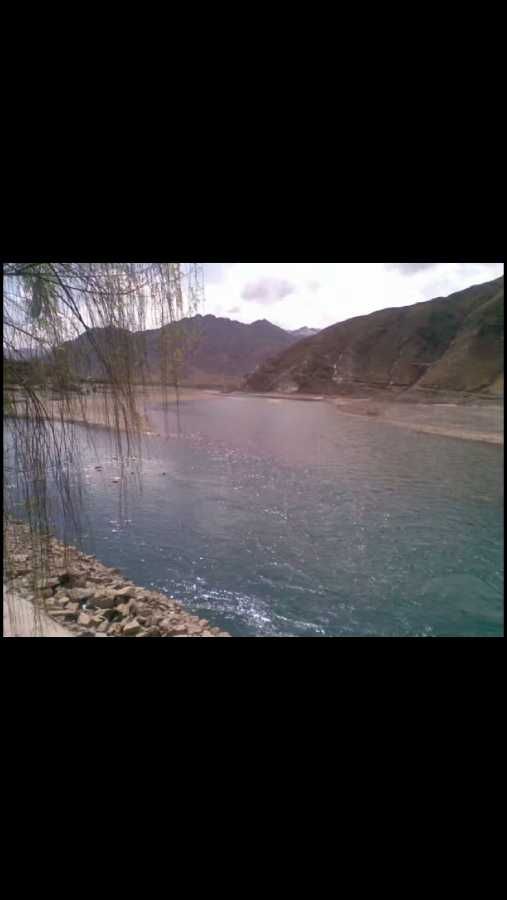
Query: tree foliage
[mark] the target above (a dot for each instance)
(46, 307)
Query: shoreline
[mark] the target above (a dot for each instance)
(460, 432)
(78, 596)
(380, 409)
(416, 415)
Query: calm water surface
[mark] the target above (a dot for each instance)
(275, 517)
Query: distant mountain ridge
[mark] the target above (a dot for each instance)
(207, 348)
(217, 346)
(452, 344)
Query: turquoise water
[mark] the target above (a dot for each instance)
(285, 518)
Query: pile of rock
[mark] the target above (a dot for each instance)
(91, 599)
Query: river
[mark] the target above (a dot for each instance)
(274, 517)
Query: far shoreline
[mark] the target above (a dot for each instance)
(390, 411)
(376, 407)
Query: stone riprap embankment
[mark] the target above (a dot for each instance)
(88, 598)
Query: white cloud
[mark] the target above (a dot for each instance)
(323, 293)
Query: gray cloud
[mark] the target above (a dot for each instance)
(232, 310)
(267, 290)
(411, 268)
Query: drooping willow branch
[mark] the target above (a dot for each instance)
(103, 309)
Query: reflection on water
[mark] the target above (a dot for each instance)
(286, 518)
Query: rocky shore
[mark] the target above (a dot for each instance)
(87, 598)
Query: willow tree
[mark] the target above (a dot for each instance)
(68, 326)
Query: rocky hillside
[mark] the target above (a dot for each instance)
(450, 344)
(204, 347)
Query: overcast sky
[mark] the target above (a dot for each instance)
(318, 294)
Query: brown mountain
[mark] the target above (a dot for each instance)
(450, 344)
(216, 346)
(206, 349)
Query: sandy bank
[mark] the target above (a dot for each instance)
(470, 422)
(278, 395)
(473, 422)
(98, 409)
(466, 422)
(79, 409)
